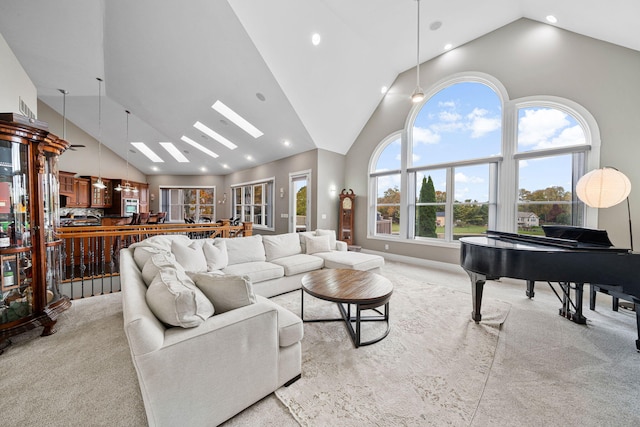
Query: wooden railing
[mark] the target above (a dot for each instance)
(90, 255)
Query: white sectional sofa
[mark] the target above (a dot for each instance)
(205, 341)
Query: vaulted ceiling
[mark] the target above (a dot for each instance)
(168, 62)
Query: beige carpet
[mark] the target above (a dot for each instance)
(430, 370)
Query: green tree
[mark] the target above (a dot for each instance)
(301, 201)
(391, 196)
(426, 215)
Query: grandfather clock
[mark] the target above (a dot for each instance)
(345, 229)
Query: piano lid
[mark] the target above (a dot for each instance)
(583, 235)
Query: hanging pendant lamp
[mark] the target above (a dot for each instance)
(127, 187)
(418, 94)
(99, 183)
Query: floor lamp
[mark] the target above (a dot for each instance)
(603, 188)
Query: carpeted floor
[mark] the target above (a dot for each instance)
(544, 370)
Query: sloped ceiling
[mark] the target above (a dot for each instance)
(168, 62)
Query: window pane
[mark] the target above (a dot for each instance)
(461, 122)
(388, 205)
(545, 193)
(257, 194)
(430, 203)
(544, 128)
(471, 202)
(390, 157)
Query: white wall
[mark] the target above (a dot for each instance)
(529, 58)
(15, 83)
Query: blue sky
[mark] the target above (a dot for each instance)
(463, 121)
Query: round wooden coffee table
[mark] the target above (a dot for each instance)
(364, 290)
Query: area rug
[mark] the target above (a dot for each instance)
(430, 370)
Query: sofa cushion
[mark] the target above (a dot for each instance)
(352, 260)
(175, 300)
(155, 263)
(257, 271)
(226, 292)
(290, 327)
(190, 257)
(245, 249)
(317, 244)
(215, 252)
(300, 263)
(281, 245)
(331, 234)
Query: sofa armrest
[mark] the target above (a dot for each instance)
(341, 246)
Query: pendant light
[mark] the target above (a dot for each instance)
(99, 183)
(64, 113)
(127, 187)
(418, 94)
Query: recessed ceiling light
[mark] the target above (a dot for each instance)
(286, 143)
(215, 135)
(435, 25)
(175, 153)
(203, 169)
(236, 118)
(384, 89)
(448, 46)
(142, 147)
(154, 168)
(248, 157)
(226, 166)
(552, 19)
(198, 146)
(260, 96)
(316, 39)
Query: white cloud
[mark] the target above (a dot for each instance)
(481, 125)
(524, 163)
(425, 136)
(447, 104)
(460, 177)
(386, 182)
(449, 116)
(547, 128)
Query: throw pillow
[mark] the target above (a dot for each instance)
(175, 300)
(226, 292)
(317, 244)
(155, 263)
(191, 257)
(331, 234)
(142, 254)
(215, 253)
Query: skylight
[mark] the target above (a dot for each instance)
(175, 153)
(142, 147)
(237, 119)
(199, 147)
(215, 135)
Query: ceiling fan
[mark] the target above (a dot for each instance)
(72, 147)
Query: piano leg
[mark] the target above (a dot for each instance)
(530, 285)
(477, 286)
(637, 308)
(568, 304)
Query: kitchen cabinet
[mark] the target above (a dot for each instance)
(100, 197)
(30, 252)
(66, 183)
(80, 197)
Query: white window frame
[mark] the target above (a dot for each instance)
(186, 187)
(504, 215)
(268, 205)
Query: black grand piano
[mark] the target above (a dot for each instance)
(568, 256)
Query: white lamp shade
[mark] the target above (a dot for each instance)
(603, 188)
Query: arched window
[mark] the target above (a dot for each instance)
(470, 160)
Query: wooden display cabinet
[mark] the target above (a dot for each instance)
(345, 216)
(31, 253)
(100, 197)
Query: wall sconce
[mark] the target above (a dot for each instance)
(152, 197)
(224, 199)
(281, 192)
(332, 191)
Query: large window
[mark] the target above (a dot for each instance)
(182, 204)
(253, 202)
(471, 160)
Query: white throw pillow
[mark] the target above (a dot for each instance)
(191, 257)
(142, 254)
(281, 245)
(225, 292)
(331, 234)
(245, 249)
(155, 263)
(317, 244)
(215, 252)
(175, 300)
